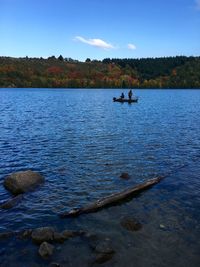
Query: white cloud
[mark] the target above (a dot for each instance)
(95, 42)
(197, 4)
(131, 46)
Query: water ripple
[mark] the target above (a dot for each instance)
(82, 147)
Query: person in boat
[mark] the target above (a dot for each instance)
(122, 96)
(130, 94)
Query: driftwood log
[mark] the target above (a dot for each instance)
(112, 199)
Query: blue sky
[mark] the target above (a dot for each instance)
(98, 29)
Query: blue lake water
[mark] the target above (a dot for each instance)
(81, 142)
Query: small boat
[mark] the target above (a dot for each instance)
(124, 100)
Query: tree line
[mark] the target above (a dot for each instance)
(165, 72)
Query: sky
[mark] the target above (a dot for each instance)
(99, 29)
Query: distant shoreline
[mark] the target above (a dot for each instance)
(147, 73)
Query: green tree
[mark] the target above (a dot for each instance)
(60, 58)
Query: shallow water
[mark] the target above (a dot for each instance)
(81, 142)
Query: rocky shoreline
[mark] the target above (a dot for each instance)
(48, 237)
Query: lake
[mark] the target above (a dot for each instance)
(81, 142)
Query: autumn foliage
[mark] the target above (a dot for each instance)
(169, 72)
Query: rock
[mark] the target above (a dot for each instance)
(125, 175)
(25, 234)
(92, 240)
(6, 235)
(46, 250)
(21, 182)
(101, 258)
(11, 202)
(54, 264)
(42, 234)
(104, 247)
(131, 224)
(162, 226)
(68, 233)
(59, 237)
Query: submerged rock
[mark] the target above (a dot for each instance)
(103, 257)
(103, 250)
(25, 234)
(130, 224)
(49, 234)
(21, 182)
(104, 247)
(92, 240)
(66, 234)
(11, 202)
(46, 250)
(54, 264)
(125, 175)
(59, 237)
(42, 234)
(6, 235)
(69, 234)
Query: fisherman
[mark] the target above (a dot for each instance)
(122, 96)
(130, 94)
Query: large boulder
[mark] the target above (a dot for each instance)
(21, 182)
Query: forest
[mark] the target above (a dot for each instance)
(60, 72)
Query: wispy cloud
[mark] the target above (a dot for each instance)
(94, 42)
(131, 46)
(197, 2)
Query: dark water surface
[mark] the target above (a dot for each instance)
(81, 142)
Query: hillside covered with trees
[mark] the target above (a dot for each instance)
(167, 72)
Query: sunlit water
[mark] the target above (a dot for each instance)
(81, 142)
